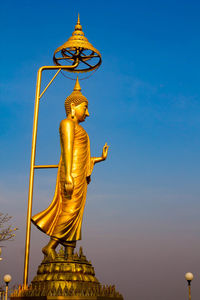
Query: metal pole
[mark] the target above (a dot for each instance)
(6, 295)
(33, 151)
(31, 179)
(189, 289)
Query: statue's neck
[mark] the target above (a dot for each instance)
(74, 119)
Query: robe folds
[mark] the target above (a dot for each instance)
(62, 220)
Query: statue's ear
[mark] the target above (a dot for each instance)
(72, 105)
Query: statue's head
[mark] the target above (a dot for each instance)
(76, 104)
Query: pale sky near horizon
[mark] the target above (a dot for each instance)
(141, 226)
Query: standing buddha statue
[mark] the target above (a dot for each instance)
(62, 220)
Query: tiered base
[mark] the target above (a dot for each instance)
(67, 298)
(66, 278)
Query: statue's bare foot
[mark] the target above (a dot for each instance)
(49, 249)
(49, 252)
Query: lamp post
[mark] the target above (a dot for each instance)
(7, 278)
(1, 293)
(189, 276)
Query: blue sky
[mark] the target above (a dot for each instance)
(141, 223)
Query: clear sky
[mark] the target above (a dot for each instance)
(141, 225)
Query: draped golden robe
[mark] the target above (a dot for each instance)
(62, 220)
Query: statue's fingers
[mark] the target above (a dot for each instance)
(106, 144)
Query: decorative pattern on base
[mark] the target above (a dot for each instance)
(66, 278)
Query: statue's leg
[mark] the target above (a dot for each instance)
(49, 249)
(69, 249)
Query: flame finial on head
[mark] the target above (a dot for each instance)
(77, 86)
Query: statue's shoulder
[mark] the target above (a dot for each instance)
(66, 124)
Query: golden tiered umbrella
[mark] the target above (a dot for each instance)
(77, 49)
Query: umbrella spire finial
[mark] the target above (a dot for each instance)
(78, 22)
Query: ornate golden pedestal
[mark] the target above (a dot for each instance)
(66, 279)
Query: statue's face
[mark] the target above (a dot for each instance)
(81, 111)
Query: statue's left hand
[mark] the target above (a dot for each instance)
(105, 151)
(69, 185)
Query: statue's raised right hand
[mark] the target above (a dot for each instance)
(105, 151)
(69, 185)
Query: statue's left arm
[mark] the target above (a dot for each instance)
(103, 156)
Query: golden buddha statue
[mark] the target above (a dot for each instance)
(62, 220)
